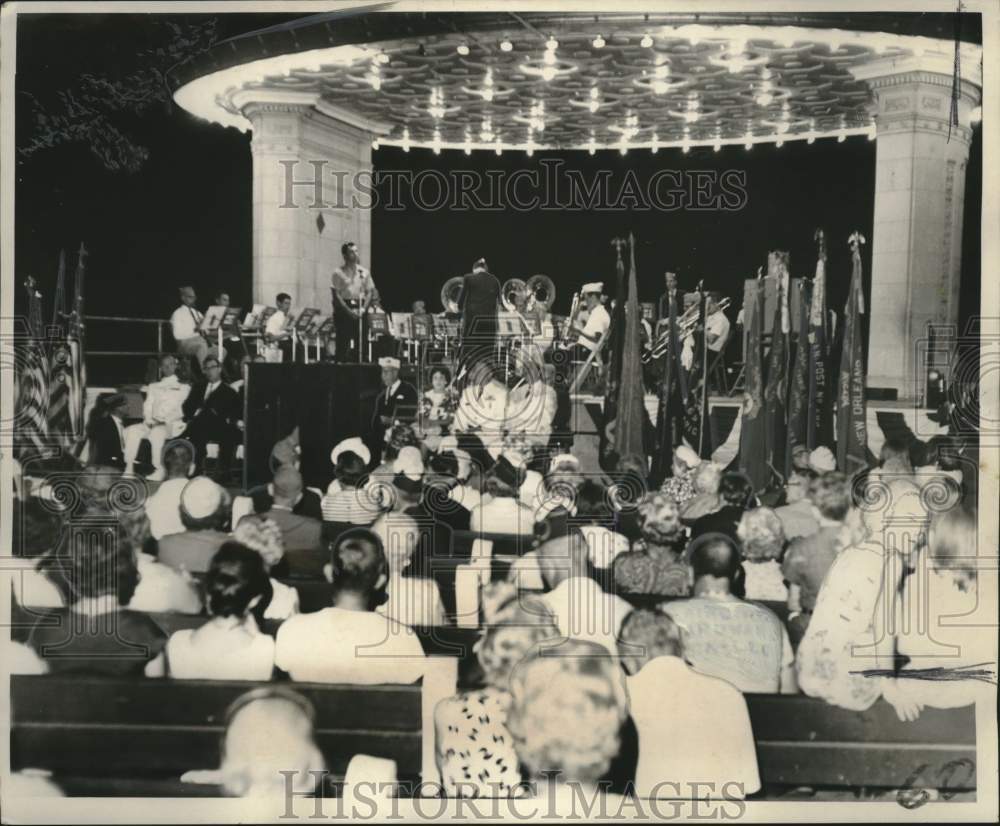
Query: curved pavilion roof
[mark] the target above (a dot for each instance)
(479, 80)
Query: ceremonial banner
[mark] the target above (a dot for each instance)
(673, 394)
(798, 393)
(776, 391)
(753, 459)
(820, 417)
(852, 429)
(631, 408)
(696, 424)
(613, 347)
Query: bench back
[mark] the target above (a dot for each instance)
(78, 725)
(804, 741)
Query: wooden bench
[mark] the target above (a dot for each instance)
(106, 734)
(803, 741)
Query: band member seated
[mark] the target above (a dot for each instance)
(277, 339)
(235, 349)
(184, 323)
(478, 304)
(162, 417)
(353, 290)
(597, 324)
(396, 402)
(716, 332)
(212, 412)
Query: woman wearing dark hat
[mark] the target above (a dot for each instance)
(503, 512)
(106, 431)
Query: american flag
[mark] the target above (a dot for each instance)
(31, 417)
(68, 379)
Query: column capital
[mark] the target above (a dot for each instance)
(913, 94)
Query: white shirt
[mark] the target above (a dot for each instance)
(340, 646)
(276, 324)
(597, 325)
(692, 729)
(225, 648)
(164, 400)
(164, 509)
(284, 601)
(531, 492)
(413, 601)
(718, 325)
(184, 322)
(502, 515)
(584, 611)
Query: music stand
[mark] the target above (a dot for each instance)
(421, 331)
(301, 325)
(211, 325)
(378, 325)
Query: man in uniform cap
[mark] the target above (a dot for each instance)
(396, 402)
(598, 321)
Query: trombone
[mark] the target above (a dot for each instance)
(686, 324)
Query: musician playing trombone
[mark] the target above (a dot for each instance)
(598, 320)
(716, 331)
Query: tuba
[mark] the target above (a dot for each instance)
(449, 294)
(541, 292)
(512, 294)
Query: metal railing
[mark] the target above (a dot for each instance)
(159, 322)
(128, 364)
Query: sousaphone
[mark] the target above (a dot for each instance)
(450, 293)
(541, 292)
(512, 290)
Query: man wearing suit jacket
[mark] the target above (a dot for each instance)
(478, 303)
(397, 402)
(106, 440)
(212, 412)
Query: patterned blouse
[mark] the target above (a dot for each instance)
(475, 752)
(680, 488)
(638, 572)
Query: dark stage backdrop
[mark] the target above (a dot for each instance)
(185, 216)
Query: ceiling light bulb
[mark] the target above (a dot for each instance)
(655, 146)
(841, 138)
(375, 81)
(462, 49)
(717, 146)
(660, 87)
(661, 71)
(594, 106)
(598, 42)
(499, 148)
(765, 99)
(594, 92)
(551, 44)
(382, 57)
(591, 150)
(685, 148)
(506, 45)
(646, 41)
(779, 143)
(487, 95)
(548, 72)
(623, 149)
(811, 139)
(549, 58)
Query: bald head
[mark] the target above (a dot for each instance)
(716, 562)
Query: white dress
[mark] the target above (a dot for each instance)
(225, 648)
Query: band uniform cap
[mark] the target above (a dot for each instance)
(389, 361)
(687, 456)
(201, 497)
(593, 287)
(354, 445)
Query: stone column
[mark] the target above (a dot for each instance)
(919, 198)
(305, 165)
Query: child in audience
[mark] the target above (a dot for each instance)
(763, 538)
(692, 728)
(229, 646)
(349, 642)
(475, 752)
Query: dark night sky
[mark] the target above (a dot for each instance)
(186, 215)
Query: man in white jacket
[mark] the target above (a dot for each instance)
(162, 417)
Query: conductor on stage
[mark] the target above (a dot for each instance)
(353, 291)
(397, 402)
(478, 303)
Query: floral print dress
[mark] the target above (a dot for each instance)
(475, 752)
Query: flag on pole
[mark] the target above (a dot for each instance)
(696, 423)
(616, 334)
(631, 408)
(798, 392)
(31, 409)
(67, 381)
(852, 428)
(776, 391)
(78, 341)
(753, 458)
(673, 393)
(820, 415)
